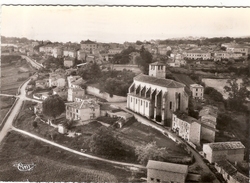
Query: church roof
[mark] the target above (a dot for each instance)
(157, 63)
(158, 81)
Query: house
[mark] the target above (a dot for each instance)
(208, 115)
(69, 52)
(154, 96)
(82, 54)
(38, 108)
(69, 62)
(197, 91)
(119, 114)
(41, 84)
(75, 81)
(57, 52)
(197, 54)
(62, 129)
(85, 110)
(115, 51)
(208, 120)
(232, 151)
(230, 172)
(75, 93)
(88, 45)
(166, 172)
(186, 127)
(56, 79)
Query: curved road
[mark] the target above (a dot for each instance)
(14, 112)
(74, 151)
(8, 126)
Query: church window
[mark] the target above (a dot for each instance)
(170, 105)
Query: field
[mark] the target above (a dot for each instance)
(131, 135)
(5, 105)
(54, 164)
(217, 84)
(12, 77)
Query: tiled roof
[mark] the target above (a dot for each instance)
(209, 110)
(241, 178)
(226, 145)
(168, 83)
(88, 42)
(170, 167)
(227, 167)
(197, 51)
(196, 85)
(83, 105)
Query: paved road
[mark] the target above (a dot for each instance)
(14, 112)
(74, 151)
(1, 94)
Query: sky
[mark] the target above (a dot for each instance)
(120, 24)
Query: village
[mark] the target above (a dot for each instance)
(167, 94)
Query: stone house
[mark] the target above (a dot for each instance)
(230, 173)
(41, 84)
(56, 79)
(75, 93)
(208, 119)
(69, 62)
(166, 172)
(197, 91)
(88, 45)
(186, 127)
(85, 110)
(217, 151)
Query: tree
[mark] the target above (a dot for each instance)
(236, 94)
(146, 59)
(91, 72)
(53, 106)
(150, 152)
(104, 142)
(207, 177)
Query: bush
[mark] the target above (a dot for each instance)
(22, 79)
(207, 177)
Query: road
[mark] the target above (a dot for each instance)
(14, 112)
(197, 156)
(74, 151)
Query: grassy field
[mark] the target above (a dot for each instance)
(54, 164)
(131, 135)
(5, 105)
(12, 76)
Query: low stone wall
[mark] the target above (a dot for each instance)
(96, 92)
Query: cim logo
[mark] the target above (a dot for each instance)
(24, 167)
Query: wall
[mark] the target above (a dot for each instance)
(165, 176)
(96, 92)
(207, 134)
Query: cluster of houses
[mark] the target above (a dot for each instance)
(160, 99)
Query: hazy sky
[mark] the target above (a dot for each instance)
(119, 24)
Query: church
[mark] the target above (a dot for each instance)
(156, 97)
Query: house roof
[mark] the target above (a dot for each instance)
(168, 83)
(241, 178)
(84, 104)
(170, 167)
(226, 145)
(196, 86)
(227, 166)
(232, 171)
(197, 51)
(87, 42)
(209, 110)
